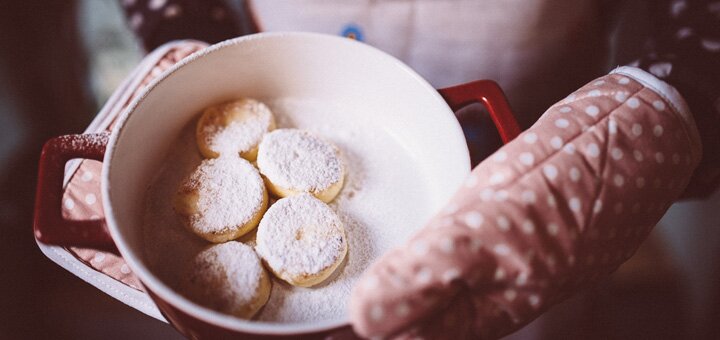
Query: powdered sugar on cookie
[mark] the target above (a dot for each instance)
(230, 193)
(228, 277)
(300, 237)
(235, 127)
(300, 161)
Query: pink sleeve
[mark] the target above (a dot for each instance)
(555, 210)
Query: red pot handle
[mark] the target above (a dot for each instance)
(50, 227)
(489, 94)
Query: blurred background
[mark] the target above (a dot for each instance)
(60, 61)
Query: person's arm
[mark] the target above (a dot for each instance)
(684, 51)
(553, 212)
(156, 22)
(566, 203)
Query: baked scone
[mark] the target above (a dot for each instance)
(228, 277)
(222, 199)
(301, 240)
(235, 127)
(294, 161)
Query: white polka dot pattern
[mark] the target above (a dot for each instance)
(575, 189)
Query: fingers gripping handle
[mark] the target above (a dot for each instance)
(49, 225)
(489, 94)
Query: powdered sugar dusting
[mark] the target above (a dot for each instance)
(242, 134)
(384, 200)
(230, 192)
(168, 245)
(298, 160)
(300, 235)
(225, 276)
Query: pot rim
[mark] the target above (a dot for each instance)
(149, 280)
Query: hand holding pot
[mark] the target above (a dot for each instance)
(330, 76)
(555, 210)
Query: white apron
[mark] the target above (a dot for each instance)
(538, 50)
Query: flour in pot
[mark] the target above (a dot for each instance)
(382, 202)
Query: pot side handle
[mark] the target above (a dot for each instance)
(489, 94)
(49, 225)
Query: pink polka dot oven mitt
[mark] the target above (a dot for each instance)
(81, 197)
(554, 211)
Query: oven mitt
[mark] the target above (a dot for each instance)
(81, 197)
(556, 210)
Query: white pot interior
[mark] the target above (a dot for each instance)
(362, 82)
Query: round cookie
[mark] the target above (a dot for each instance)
(222, 199)
(294, 161)
(229, 278)
(235, 127)
(301, 240)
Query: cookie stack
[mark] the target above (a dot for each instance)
(300, 239)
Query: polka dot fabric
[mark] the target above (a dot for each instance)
(82, 197)
(555, 210)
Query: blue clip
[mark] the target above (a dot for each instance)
(353, 31)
